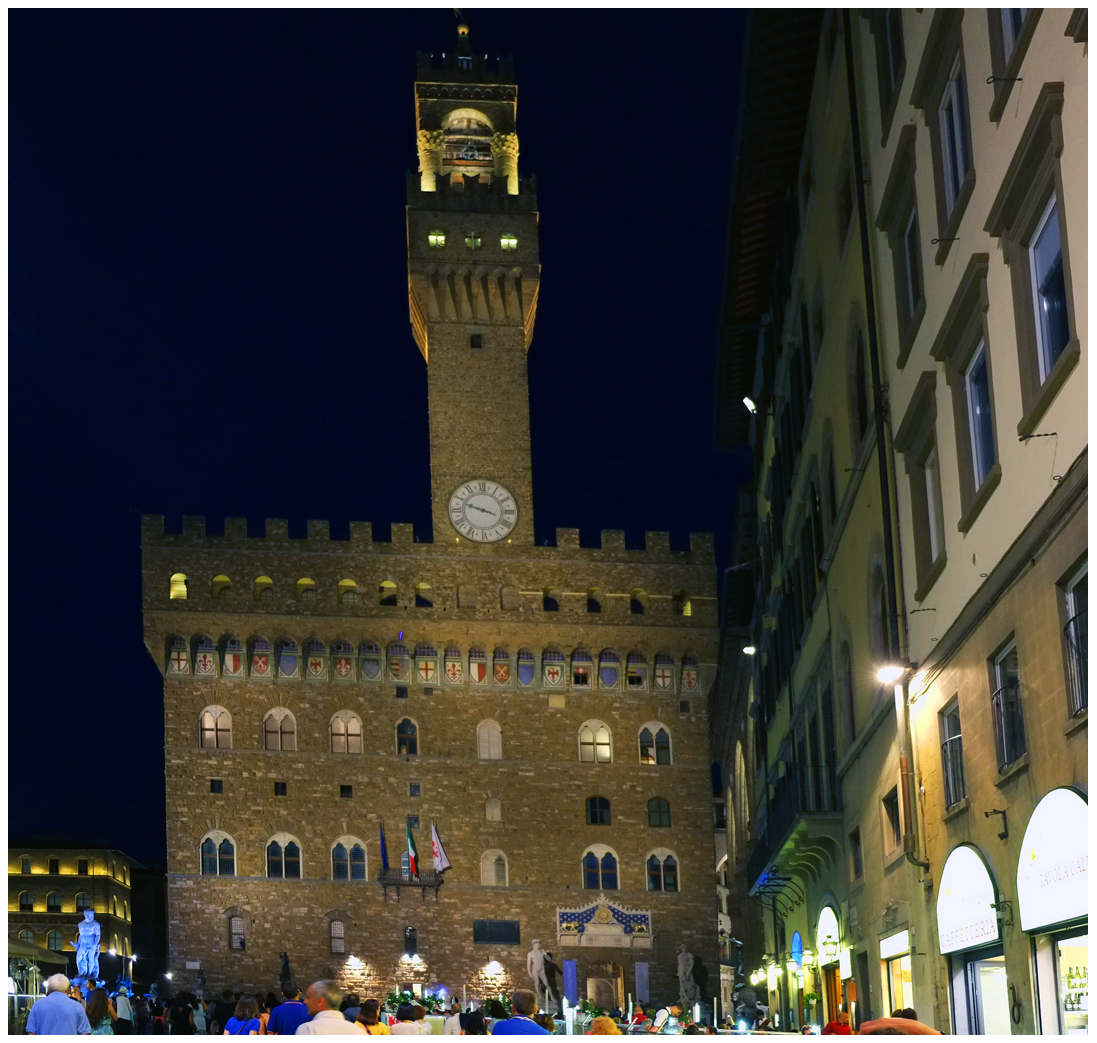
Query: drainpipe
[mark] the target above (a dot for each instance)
(902, 703)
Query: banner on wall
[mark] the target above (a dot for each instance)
(642, 993)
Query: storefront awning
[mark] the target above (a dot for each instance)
(966, 917)
(1053, 870)
(30, 951)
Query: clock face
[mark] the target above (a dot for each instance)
(482, 510)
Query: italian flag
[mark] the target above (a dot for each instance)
(413, 855)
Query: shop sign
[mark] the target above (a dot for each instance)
(845, 964)
(966, 918)
(1053, 870)
(895, 945)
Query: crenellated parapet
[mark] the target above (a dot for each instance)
(194, 570)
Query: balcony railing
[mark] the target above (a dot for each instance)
(807, 790)
(1077, 663)
(398, 878)
(1009, 724)
(952, 763)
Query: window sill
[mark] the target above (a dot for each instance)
(1064, 364)
(1076, 724)
(990, 483)
(956, 809)
(945, 237)
(930, 578)
(906, 337)
(1018, 767)
(892, 857)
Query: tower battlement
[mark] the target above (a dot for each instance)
(656, 549)
(460, 66)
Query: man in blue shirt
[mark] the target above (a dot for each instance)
(56, 1014)
(285, 1018)
(524, 1003)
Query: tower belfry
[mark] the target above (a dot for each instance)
(473, 279)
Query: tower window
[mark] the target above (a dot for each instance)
(508, 242)
(464, 64)
(279, 789)
(436, 239)
(473, 241)
(477, 340)
(217, 785)
(346, 791)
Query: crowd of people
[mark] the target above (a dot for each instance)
(326, 1010)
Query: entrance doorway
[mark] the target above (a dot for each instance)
(832, 989)
(606, 985)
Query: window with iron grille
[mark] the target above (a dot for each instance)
(26, 902)
(54, 866)
(82, 866)
(53, 902)
(24, 865)
(1009, 723)
(1077, 603)
(952, 756)
(337, 933)
(236, 932)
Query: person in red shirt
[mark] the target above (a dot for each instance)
(838, 1027)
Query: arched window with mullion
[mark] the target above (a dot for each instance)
(209, 857)
(595, 745)
(600, 869)
(226, 858)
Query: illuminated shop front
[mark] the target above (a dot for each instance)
(968, 932)
(827, 946)
(898, 980)
(1053, 905)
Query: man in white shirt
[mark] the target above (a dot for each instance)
(124, 1025)
(322, 999)
(453, 1022)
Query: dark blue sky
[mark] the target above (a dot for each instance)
(208, 315)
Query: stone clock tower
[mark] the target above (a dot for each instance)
(543, 707)
(473, 279)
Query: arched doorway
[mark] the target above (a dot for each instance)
(606, 985)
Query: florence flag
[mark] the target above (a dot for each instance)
(439, 852)
(413, 855)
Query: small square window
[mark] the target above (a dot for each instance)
(413, 821)
(401, 692)
(216, 785)
(477, 340)
(415, 789)
(54, 866)
(436, 239)
(473, 241)
(508, 242)
(279, 789)
(24, 865)
(683, 706)
(82, 867)
(346, 791)
(428, 691)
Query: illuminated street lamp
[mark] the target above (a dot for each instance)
(749, 403)
(889, 673)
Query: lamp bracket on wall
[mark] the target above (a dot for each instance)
(946, 239)
(1008, 907)
(1004, 79)
(1005, 827)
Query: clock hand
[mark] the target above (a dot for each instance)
(482, 510)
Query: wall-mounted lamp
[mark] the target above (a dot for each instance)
(830, 946)
(494, 968)
(1005, 827)
(749, 649)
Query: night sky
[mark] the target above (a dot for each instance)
(208, 315)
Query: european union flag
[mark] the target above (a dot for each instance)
(384, 850)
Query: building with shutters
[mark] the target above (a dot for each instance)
(544, 706)
(906, 322)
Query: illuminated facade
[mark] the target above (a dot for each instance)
(961, 359)
(545, 707)
(50, 887)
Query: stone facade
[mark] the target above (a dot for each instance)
(498, 765)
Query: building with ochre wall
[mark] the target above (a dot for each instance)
(49, 888)
(910, 327)
(543, 706)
